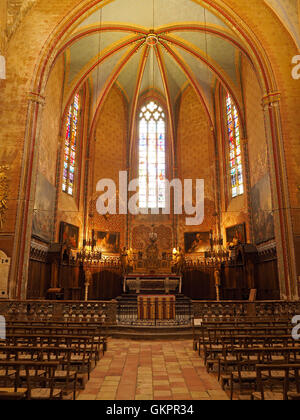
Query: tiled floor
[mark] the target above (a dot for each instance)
(151, 370)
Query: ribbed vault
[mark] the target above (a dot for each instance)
(161, 45)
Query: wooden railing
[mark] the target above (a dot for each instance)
(210, 309)
(106, 311)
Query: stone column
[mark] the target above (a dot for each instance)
(3, 36)
(21, 252)
(3, 24)
(280, 198)
(247, 184)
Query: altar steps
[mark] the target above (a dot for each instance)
(151, 332)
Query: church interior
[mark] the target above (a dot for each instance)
(149, 199)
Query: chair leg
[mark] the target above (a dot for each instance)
(231, 388)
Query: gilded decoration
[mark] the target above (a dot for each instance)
(3, 193)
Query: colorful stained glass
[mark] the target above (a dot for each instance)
(235, 157)
(152, 157)
(70, 146)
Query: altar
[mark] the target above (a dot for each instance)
(150, 271)
(156, 307)
(150, 283)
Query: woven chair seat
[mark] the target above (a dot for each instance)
(77, 358)
(64, 373)
(268, 395)
(52, 358)
(44, 393)
(276, 375)
(32, 373)
(244, 375)
(228, 359)
(278, 359)
(4, 390)
(293, 396)
(8, 373)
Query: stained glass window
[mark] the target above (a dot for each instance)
(70, 146)
(152, 156)
(235, 155)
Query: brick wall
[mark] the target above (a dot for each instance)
(195, 156)
(255, 125)
(51, 123)
(109, 157)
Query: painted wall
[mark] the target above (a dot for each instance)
(195, 157)
(233, 211)
(260, 184)
(109, 157)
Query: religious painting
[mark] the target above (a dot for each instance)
(263, 220)
(236, 234)
(108, 242)
(43, 213)
(197, 242)
(68, 235)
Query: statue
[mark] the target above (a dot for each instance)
(126, 260)
(87, 283)
(178, 260)
(217, 276)
(152, 251)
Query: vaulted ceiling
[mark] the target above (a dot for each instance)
(162, 45)
(142, 45)
(288, 12)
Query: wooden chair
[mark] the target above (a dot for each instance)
(11, 395)
(245, 375)
(288, 374)
(294, 395)
(42, 388)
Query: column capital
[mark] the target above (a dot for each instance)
(271, 99)
(36, 97)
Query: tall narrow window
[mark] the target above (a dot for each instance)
(152, 156)
(70, 150)
(235, 156)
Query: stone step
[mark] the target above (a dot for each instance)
(148, 333)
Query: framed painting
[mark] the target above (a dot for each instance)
(108, 242)
(43, 213)
(236, 234)
(68, 235)
(196, 242)
(263, 219)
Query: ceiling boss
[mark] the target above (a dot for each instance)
(152, 39)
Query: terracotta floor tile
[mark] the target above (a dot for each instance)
(161, 388)
(182, 397)
(179, 384)
(160, 382)
(162, 394)
(143, 370)
(113, 378)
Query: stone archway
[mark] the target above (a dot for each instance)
(35, 44)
